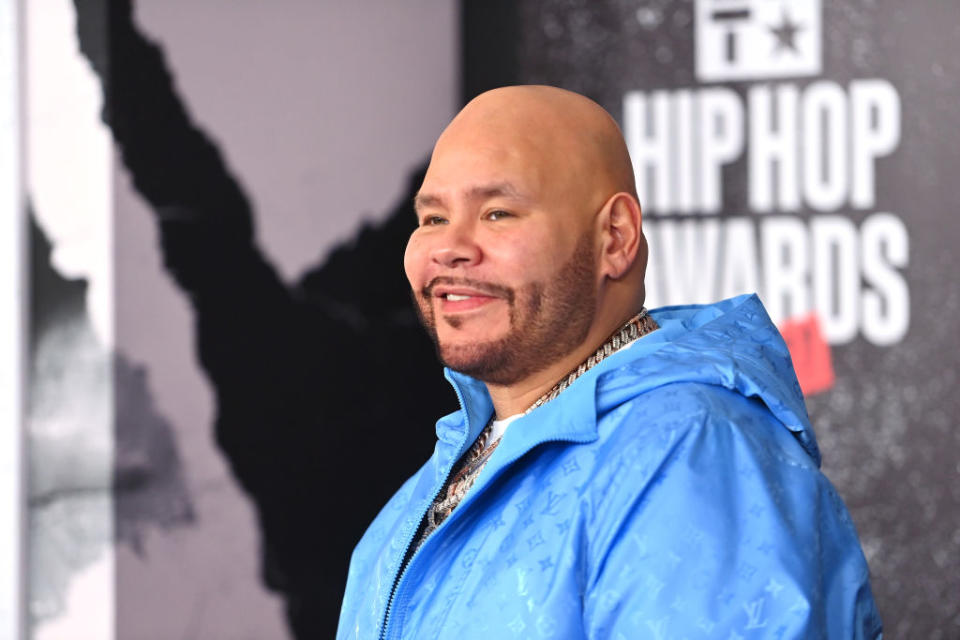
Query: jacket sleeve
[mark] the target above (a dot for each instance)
(731, 532)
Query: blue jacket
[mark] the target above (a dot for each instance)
(672, 491)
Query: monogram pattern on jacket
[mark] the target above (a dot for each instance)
(672, 493)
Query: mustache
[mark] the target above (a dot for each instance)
(490, 288)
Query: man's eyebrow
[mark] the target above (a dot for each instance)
(422, 200)
(499, 189)
(479, 192)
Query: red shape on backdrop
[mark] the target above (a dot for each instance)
(810, 353)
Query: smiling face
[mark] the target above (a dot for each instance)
(503, 262)
(516, 317)
(511, 259)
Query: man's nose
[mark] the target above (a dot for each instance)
(456, 248)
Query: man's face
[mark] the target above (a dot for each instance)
(502, 265)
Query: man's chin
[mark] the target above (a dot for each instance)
(493, 363)
(473, 359)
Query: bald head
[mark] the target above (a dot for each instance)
(544, 143)
(566, 134)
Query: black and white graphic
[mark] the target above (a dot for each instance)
(739, 39)
(138, 526)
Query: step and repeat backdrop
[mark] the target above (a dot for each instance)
(807, 151)
(215, 202)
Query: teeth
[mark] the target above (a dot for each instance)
(453, 297)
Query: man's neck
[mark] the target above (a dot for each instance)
(518, 397)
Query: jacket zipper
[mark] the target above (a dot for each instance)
(401, 572)
(416, 527)
(472, 494)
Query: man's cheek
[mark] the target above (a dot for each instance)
(410, 264)
(422, 306)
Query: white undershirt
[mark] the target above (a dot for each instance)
(499, 427)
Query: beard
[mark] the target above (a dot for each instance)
(547, 320)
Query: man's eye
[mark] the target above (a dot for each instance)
(498, 214)
(429, 221)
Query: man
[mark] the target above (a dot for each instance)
(611, 473)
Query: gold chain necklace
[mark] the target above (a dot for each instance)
(637, 326)
(476, 458)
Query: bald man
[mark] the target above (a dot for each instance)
(612, 472)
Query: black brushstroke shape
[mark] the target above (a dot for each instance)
(326, 390)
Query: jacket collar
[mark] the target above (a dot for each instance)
(571, 416)
(732, 344)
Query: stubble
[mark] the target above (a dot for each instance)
(547, 320)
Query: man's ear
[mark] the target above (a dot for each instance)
(621, 235)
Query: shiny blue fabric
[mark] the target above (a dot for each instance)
(673, 491)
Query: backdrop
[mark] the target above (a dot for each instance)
(807, 151)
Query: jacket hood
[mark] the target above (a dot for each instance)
(732, 344)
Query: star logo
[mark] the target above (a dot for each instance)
(786, 34)
(517, 625)
(757, 39)
(535, 540)
(773, 588)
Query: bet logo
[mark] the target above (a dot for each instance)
(757, 39)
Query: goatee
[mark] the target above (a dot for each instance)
(547, 320)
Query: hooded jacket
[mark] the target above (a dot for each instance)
(672, 491)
